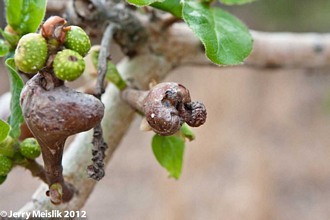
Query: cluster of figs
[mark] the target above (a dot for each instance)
(51, 110)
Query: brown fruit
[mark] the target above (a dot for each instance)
(52, 116)
(60, 112)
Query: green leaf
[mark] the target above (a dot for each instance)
(13, 13)
(187, 132)
(4, 130)
(227, 41)
(25, 16)
(4, 48)
(172, 6)
(16, 85)
(169, 153)
(236, 2)
(143, 2)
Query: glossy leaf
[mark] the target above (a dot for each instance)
(169, 153)
(13, 13)
(4, 48)
(236, 2)
(16, 85)
(172, 6)
(227, 41)
(143, 2)
(25, 16)
(4, 130)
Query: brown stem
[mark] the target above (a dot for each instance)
(36, 169)
(52, 116)
(52, 153)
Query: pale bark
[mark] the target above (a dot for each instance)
(290, 50)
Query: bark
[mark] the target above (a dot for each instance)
(290, 50)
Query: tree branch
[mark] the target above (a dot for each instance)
(161, 54)
(290, 50)
(306, 50)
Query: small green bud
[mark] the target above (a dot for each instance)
(76, 39)
(68, 65)
(30, 148)
(5, 165)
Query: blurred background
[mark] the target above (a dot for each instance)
(262, 154)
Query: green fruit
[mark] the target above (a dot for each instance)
(76, 39)
(7, 147)
(31, 53)
(5, 165)
(30, 148)
(68, 65)
(2, 179)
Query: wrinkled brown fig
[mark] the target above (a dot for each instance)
(54, 31)
(166, 107)
(52, 116)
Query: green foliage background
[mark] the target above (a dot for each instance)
(285, 15)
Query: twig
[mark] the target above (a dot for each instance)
(96, 170)
(36, 170)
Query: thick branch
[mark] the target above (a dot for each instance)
(290, 49)
(305, 50)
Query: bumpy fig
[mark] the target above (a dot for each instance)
(54, 30)
(59, 112)
(5, 165)
(30, 148)
(52, 116)
(76, 39)
(161, 108)
(31, 53)
(68, 65)
(166, 107)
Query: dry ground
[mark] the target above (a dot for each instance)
(263, 154)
